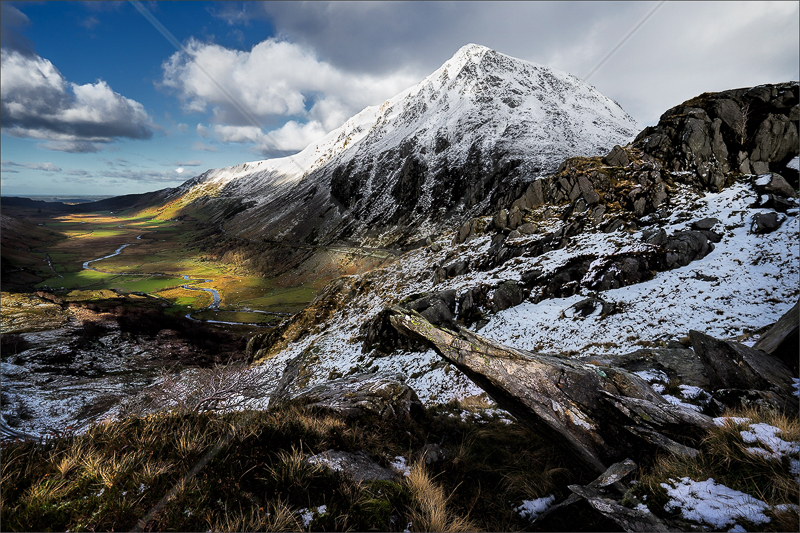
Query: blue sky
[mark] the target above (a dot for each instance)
(96, 100)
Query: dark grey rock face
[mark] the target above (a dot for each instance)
(508, 294)
(617, 157)
(773, 183)
(766, 223)
(744, 130)
(730, 365)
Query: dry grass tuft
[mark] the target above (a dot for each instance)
(46, 491)
(274, 516)
(429, 508)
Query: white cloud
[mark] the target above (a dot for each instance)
(203, 131)
(38, 102)
(247, 92)
(46, 167)
(179, 170)
(684, 49)
(202, 147)
(289, 138)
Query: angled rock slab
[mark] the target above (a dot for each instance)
(730, 365)
(604, 493)
(600, 413)
(781, 340)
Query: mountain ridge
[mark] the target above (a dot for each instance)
(480, 121)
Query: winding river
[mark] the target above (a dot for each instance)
(193, 281)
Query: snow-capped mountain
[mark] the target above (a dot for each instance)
(445, 148)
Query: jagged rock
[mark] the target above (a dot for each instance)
(470, 228)
(683, 247)
(500, 220)
(528, 229)
(775, 139)
(598, 495)
(602, 414)
(678, 363)
(514, 218)
(737, 398)
(613, 225)
(778, 203)
(357, 465)
(508, 294)
(704, 224)
(469, 306)
(745, 129)
(590, 307)
(432, 453)
(765, 223)
(385, 395)
(782, 340)
(617, 157)
(759, 167)
(730, 365)
(773, 183)
(438, 308)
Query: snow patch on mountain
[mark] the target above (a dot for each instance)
(480, 108)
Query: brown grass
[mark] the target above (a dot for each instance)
(429, 508)
(274, 516)
(725, 458)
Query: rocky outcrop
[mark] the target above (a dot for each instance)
(733, 366)
(782, 340)
(357, 465)
(603, 414)
(749, 131)
(386, 396)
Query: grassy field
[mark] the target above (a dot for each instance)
(159, 254)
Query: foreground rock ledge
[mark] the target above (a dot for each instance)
(603, 414)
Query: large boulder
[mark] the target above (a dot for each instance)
(731, 365)
(385, 395)
(744, 130)
(602, 414)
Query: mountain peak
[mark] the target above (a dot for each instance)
(445, 148)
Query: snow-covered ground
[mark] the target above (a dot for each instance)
(754, 281)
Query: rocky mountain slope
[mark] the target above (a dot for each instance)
(450, 147)
(604, 257)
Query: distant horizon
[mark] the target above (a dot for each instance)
(127, 97)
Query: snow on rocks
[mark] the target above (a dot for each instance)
(767, 436)
(531, 509)
(716, 505)
(399, 464)
(746, 282)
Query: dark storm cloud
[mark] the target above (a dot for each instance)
(684, 49)
(12, 20)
